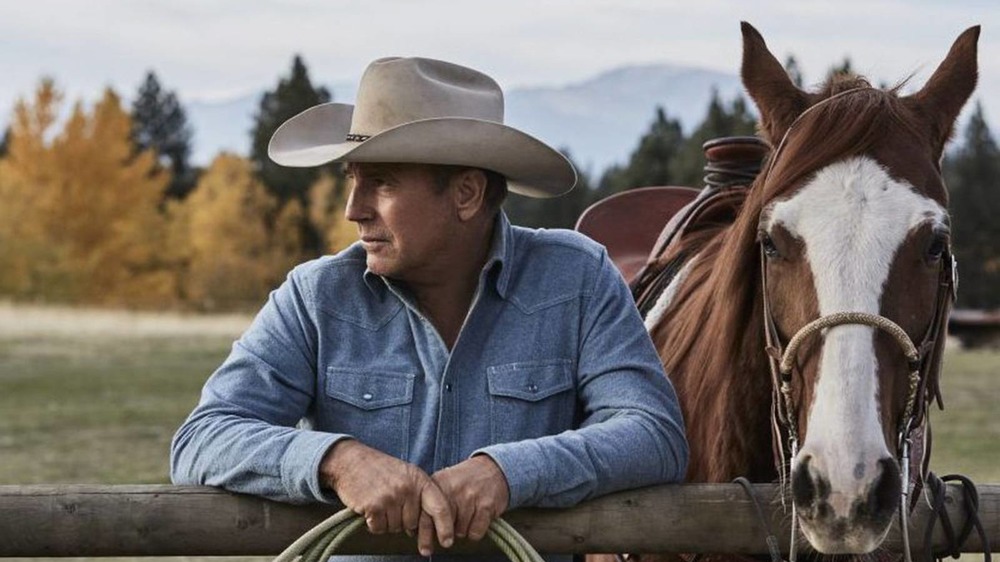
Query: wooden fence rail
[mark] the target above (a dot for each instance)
(83, 520)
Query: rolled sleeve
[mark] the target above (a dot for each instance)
(242, 436)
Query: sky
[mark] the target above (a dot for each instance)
(209, 50)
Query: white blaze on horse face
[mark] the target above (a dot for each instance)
(852, 218)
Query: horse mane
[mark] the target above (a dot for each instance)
(711, 338)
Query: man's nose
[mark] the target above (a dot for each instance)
(357, 208)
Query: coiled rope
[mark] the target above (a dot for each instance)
(320, 542)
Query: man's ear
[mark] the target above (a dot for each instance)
(469, 191)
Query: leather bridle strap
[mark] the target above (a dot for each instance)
(921, 359)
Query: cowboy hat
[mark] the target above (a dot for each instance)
(425, 111)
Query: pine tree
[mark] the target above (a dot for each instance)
(846, 68)
(4, 142)
(557, 212)
(975, 205)
(159, 122)
(650, 163)
(293, 95)
(687, 169)
(794, 70)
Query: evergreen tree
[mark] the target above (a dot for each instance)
(160, 123)
(293, 95)
(650, 163)
(4, 142)
(793, 70)
(844, 68)
(975, 205)
(688, 167)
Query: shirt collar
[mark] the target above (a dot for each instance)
(499, 257)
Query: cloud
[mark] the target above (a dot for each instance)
(208, 49)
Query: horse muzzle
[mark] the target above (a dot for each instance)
(842, 521)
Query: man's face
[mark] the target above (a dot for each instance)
(404, 218)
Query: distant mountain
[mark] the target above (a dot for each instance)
(599, 121)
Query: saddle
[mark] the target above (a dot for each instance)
(641, 227)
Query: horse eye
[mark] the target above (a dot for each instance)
(770, 250)
(937, 247)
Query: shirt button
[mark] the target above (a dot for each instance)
(367, 396)
(532, 388)
(447, 387)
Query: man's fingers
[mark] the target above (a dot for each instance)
(425, 535)
(394, 519)
(480, 524)
(463, 517)
(433, 502)
(411, 515)
(376, 522)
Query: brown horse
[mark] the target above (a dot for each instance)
(850, 216)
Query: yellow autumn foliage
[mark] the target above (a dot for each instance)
(80, 219)
(328, 199)
(236, 241)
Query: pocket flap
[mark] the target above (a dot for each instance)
(369, 390)
(530, 380)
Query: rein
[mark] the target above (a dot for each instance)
(923, 360)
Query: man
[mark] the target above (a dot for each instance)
(449, 366)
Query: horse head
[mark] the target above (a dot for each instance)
(852, 227)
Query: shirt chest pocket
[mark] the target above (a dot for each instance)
(372, 406)
(530, 399)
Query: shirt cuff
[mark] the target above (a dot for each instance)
(519, 469)
(300, 466)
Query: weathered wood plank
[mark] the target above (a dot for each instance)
(83, 520)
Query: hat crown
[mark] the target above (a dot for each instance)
(394, 91)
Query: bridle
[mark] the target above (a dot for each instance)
(923, 362)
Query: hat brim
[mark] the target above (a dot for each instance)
(316, 137)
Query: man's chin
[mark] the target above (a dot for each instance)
(380, 266)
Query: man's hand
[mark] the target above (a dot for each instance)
(478, 492)
(392, 495)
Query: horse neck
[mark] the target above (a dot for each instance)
(722, 380)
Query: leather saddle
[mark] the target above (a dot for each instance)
(640, 226)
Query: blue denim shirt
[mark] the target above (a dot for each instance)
(552, 375)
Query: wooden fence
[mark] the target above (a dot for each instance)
(82, 520)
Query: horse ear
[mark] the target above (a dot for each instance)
(767, 82)
(942, 97)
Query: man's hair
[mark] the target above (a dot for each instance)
(496, 184)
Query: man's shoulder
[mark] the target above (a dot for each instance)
(346, 267)
(553, 266)
(336, 285)
(568, 243)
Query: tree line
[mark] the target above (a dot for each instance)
(105, 208)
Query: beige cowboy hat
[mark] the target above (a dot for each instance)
(424, 111)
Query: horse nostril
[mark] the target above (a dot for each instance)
(884, 493)
(803, 489)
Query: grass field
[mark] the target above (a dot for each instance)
(94, 397)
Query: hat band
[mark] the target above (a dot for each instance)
(351, 137)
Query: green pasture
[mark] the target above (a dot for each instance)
(103, 409)
(99, 410)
